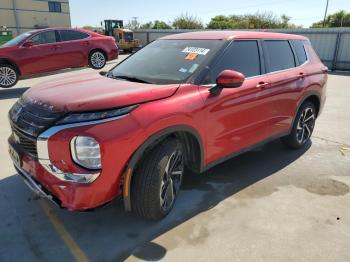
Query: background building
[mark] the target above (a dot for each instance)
(24, 15)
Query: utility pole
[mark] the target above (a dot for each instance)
(134, 22)
(325, 14)
(14, 5)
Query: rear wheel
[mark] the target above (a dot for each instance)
(97, 59)
(303, 127)
(8, 76)
(157, 180)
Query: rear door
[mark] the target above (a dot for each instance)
(286, 80)
(74, 48)
(237, 118)
(42, 56)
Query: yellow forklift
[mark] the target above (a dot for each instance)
(123, 37)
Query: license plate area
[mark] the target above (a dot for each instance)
(15, 156)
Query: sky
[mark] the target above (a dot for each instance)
(303, 12)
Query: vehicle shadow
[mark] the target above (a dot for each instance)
(12, 93)
(110, 234)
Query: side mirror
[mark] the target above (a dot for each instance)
(230, 79)
(227, 79)
(29, 43)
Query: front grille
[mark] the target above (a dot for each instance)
(26, 142)
(28, 121)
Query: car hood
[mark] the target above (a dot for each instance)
(88, 92)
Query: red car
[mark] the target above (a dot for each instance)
(53, 49)
(189, 100)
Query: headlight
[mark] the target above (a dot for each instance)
(86, 152)
(84, 117)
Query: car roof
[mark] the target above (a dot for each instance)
(64, 28)
(228, 35)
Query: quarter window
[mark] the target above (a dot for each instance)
(280, 55)
(300, 51)
(242, 56)
(44, 38)
(55, 7)
(68, 35)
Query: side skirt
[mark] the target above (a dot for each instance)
(244, 150)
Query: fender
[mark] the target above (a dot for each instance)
(139, 152)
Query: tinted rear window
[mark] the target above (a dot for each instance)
(300, 51)
(279, 54)
(241, 56)
(68, 35)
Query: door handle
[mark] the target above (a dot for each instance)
(301, 75)
(262, 85)
(55, 47)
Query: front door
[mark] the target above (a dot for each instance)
(237, 118)
(42, 56)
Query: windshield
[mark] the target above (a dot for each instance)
(167, 61)
(15, 41)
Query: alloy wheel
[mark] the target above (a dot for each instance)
(8, 76)
(305, 125)
(171, 182)
(98, 60)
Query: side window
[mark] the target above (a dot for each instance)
(300, 51)
(68, 35)
(44, 38)
(242, 56)
(279, 54)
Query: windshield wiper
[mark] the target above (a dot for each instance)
(129, 78)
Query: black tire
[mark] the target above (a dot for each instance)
(97, 59)
(150, 185)
(8, 75)
(302, 128)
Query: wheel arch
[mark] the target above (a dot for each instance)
(194, 154)
(10, 62)
(312, 96)
(98, 49)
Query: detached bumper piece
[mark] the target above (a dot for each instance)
(36, 187)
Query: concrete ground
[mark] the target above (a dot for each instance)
(271, 204)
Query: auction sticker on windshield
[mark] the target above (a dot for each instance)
(196, 50)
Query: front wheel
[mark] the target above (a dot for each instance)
(156, 182)
(302, 128)
(8, 76)
(97, 60)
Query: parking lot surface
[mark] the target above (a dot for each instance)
(271, 204)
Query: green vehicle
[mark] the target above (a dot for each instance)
(5, 36)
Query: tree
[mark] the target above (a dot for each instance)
(221, 22)
(257, 20)
(338, 19)
(157, 24)
(186, 21)
(88, 27)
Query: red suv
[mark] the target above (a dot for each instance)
(52, 49)
(186, 101)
